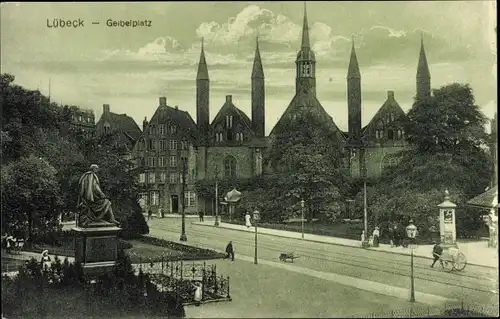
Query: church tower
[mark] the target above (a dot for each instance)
(203, 97)
(354, 98)
(423, 74)
(258, 95)
(305, 62)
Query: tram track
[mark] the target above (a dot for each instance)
(391, 267)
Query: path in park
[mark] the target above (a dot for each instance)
(378, 272)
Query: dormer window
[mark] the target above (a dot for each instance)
(173, 129)
(229, 121)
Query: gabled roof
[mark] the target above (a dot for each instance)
(304, 98)
(124, 123)
(228, 105)
(389, 104)
(488, 199)
(182, 118)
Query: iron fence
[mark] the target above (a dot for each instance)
(181, 277)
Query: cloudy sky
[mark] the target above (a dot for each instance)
(129, 68)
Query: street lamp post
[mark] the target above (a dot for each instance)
(411, 232)
(256, 217)
(302, 219)
(216, 223)
(183, 200)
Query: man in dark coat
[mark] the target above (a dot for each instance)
(230, 251)
(437, 251)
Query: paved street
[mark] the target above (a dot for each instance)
(350, 269)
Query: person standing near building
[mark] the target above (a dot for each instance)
(150, 214)
(201, 214)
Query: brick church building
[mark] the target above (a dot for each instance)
(233, 144)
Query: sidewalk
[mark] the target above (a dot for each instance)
(477, 253)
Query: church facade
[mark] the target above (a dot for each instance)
(233, 145)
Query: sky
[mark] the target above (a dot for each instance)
(130, 68)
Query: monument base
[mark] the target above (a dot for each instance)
(96, 248)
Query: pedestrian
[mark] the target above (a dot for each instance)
(248, 223)
(230, 251)
(45, 260)
(198, 293)
(201, 214)
(10, 243)
(362, 237)
(391, 235)
(376, 234)
(150, 214)
(437, 251)
(396, 236)
(162, 213)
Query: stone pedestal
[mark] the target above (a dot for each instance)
(96, 248)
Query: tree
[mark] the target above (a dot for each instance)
(447, 135)
(30, 196)
(306, 155)
(447, 121)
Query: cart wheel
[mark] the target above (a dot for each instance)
(460, 262)
(448, 265)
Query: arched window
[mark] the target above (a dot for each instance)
(377, 134)
(390, 134)
(388, 161)
(230, 167)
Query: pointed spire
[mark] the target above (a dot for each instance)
(257, 71)
(305, 30)
(423, 67)
(353, 70)
(202, 65)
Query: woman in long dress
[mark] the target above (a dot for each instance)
(376, 234)
(247, 220)
(46, 263)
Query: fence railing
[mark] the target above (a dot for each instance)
(449, 309)
(180, 276)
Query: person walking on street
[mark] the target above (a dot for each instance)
(376, 235)
(150, 214)
(230, 251)
(391, 235)
(437, 251)
(201, 214)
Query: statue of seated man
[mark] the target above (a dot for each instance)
(93, 205)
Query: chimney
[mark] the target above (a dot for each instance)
(144, 124)
(105, 108)
(390, 95)
(229, 98)
(163, 101)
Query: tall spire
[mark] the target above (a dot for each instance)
(353, 71)
(257, 71)
(305, 30)
(423, 67)
(423, 73)
(202, 65)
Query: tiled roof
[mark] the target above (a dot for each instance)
(304, 98)
(488, 199)
(182, 118)
(126, 124)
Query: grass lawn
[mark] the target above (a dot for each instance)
(141, 251)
